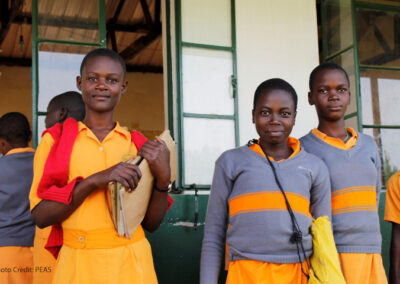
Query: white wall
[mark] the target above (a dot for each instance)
(275, 38)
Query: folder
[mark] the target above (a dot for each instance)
(129, 208)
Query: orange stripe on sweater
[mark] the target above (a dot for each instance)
(354, 199)
(268, 201)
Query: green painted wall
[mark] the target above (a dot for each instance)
(176, 247)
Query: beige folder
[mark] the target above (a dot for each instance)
(133, 205)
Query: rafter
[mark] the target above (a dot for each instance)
(146, 13)
(70, 22)
(7, 16)
(141, 43)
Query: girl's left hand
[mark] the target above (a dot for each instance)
(157, 155)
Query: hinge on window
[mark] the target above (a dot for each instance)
(234, 85)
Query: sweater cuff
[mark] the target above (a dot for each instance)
(61, 194)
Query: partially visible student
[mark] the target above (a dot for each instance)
(68, 104)
(246, 208)
(354, 166)
(392, 214)
(17, 229)
(61, 107)
(73, 167)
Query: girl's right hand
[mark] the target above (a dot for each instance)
(128, 175)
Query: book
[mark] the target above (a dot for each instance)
(128, 209)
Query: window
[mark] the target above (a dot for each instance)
(207, 117)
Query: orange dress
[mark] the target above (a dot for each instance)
(92, 251)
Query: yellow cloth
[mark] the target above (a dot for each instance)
(324, 260)
(365, 268)
(43, 260)
(123, 264)
(258, 272)
(16, 265)
(336, 142)
(392, 206)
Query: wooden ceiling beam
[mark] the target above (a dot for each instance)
(15, 61)
(141, 43)
(146, 13)
(7, 16)
(70, 22)
(144, 68)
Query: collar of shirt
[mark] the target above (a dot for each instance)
(291, 142)
(337, 142)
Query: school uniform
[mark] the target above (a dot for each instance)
(44, 261)
(247, 210)
(392, 206)
(17, 229)
(354, 169)
(92, 251)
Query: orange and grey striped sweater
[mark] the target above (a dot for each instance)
(355, 181)
(247, 210)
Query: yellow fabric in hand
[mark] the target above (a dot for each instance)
(324, 260)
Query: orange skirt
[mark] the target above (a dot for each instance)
(258, 272)
(43, 260)
(366, 268)
(16, 265)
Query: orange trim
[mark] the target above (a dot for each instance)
(362, 198)
(291, 142)
(336, 142)
(20, 150)
(268, 201)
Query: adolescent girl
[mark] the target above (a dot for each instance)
(354, 167)
(247, 210)
(74, 164)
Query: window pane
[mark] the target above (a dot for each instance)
(57, 71)
(346, 60)
(207, 81)
(339, 33)
(41, 126)
(206, 22)
(388, 141)
(205, 140)
(74, 20)
(380, 96)
(378, 35)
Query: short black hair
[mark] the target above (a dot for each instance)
(326, 66)
(275, 84)
(72, 101)
(103, 52)
(15, 129)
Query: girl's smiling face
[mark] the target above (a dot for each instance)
(274, 116)
(102, 83)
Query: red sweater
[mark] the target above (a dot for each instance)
(54, 182)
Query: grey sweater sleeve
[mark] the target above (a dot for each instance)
(321, 193)
(215, 228)
(378, 177)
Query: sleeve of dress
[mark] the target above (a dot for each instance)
(39, 162)
(321, 193)
(392, 207)
(212, 252)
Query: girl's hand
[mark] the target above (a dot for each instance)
(157, 155)
(126, 174)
